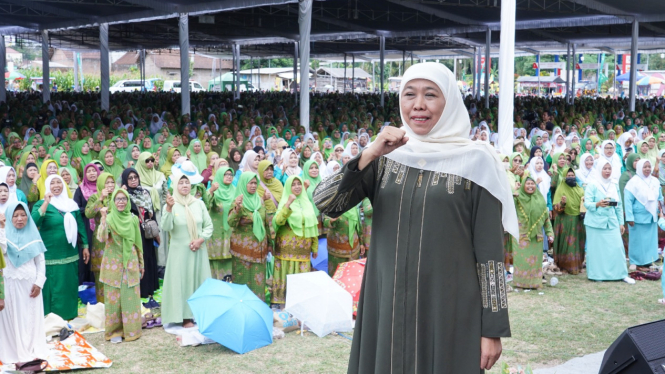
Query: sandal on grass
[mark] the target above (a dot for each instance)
(661, 301)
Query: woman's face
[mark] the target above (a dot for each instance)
(91, 174)
(570, 174)
(530, 186)
(228, 177)
(133, 180)
(32, 172)
(644, 148)
(517, 161)
(251, 186)
(30, 158)
(184, 186)
(588, 162)
(538, 153)
(206, 147)
(539, 165)
(248, 146)
(136, 153)
(561, 162)
(4, 194)
(64, 159)
(109, 185)
(483, 136)
(85, 149)
(314, 170)
(646, 169)
(354, 149)
(11, 178)
(607, 170)
(652, 143)
(559, 140)
(307, 153)
(108, 158)
(269, 173)
(213, 158)
(237, 157)
(56, 186)
(120, 201)
(19, 218)
(113, 147)
(51, 169)
(422, 104)
(255, 163)
(232, 144)
(66, 176)
(345, 159)
(293, 159)
(296, 187)
(176, 155)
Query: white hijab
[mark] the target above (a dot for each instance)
(247, 160)
(447, 147)
(606, 185)
(583, 173)
(4, 170)
(645, 189)
(559, 148)
(614, 160)
(545, 179)
(64, 204)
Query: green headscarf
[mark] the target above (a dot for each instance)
(116, 169)
(168, 164)
(353, 217)
(78, 152)
(128, 156)
(164, 152)
(225, 194)
(199, 159)
(49, 140)
(573, 196)
(531, 210)
(226, 148)
(149, 177)
(251, 202)
(313, 182)
(303, 218)
(101, 184)
(125, 224)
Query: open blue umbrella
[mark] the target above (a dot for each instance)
(626, 77)
(321, 261)
(231, 315)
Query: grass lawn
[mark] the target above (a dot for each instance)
(575, 318)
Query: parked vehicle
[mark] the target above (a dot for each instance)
(174, 86)
(132, 85)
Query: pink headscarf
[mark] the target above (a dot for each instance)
(89, 188)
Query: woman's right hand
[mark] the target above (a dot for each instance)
(104, 211)
(238, 203)
(631, 223)
(291, 199)
(170, 202)
(105, 193)
(603, 204)
(35, 179)
(387, 141)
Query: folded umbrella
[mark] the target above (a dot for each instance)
(231, 315)
(319, 303)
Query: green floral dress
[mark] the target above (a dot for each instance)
(219, 244)
(92, 211)
(368, 213)
(292, 255)
(340, 248)
(249, 254)
(122, 291)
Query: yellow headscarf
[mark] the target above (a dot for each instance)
(41, 183)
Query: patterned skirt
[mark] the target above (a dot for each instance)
(528, 264)
(221, 268)
(282, 269)
(252, 274)
(569, 240)
(334, 261)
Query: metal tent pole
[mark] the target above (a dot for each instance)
(46, 79)
(183, 31)
(382, 45)
(633, 64)
(104, 64)
(488, 45)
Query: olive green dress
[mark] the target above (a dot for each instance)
(434, 281)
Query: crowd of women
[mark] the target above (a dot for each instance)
(126, 196)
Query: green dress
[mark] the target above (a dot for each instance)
(60, 291)
(219, 244)
(528, 255)
(92, 211)
(341, 248)
(433, 283)
(368, 215)
(122, 289)
(292, 255)
(185, 270)
(249, 254)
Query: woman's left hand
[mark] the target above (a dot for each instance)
(550, 239)
(35, 291)
(86, 255)
(195, 245)
(142, 272)
(622, 228)
(490, 351)
(315, 255)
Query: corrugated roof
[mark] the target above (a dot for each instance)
(339, 72)
(171, 60)
(129, 58)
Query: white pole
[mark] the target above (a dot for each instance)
(506, 76)
(633, 64)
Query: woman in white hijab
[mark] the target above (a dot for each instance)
(60, 224)
(605, 255)
(559, 144)
(641, 196)
(543, 180)
(608, 153)
(156, 124)
(586, 170)
(415, 176)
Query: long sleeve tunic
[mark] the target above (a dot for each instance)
(434, 282)
(610, 217)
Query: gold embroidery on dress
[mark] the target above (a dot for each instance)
(382, 162)
(467, 185)
(386, 172)
(482, 277)
(400, 175)
(502, 286)
(435, 180)
(325, 193)
(491, 272)
(395, 166)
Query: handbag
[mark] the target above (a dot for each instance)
(36, 365)
(150, 228)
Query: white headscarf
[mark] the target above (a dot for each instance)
(583, 173)
(247, 160)
(156, 127)
(545, 179)
(606, 185)
(559, 148)
(645, 189)
(447, 147)
(4, 170)
(614, 160)
(64, 204)
(3, 207)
